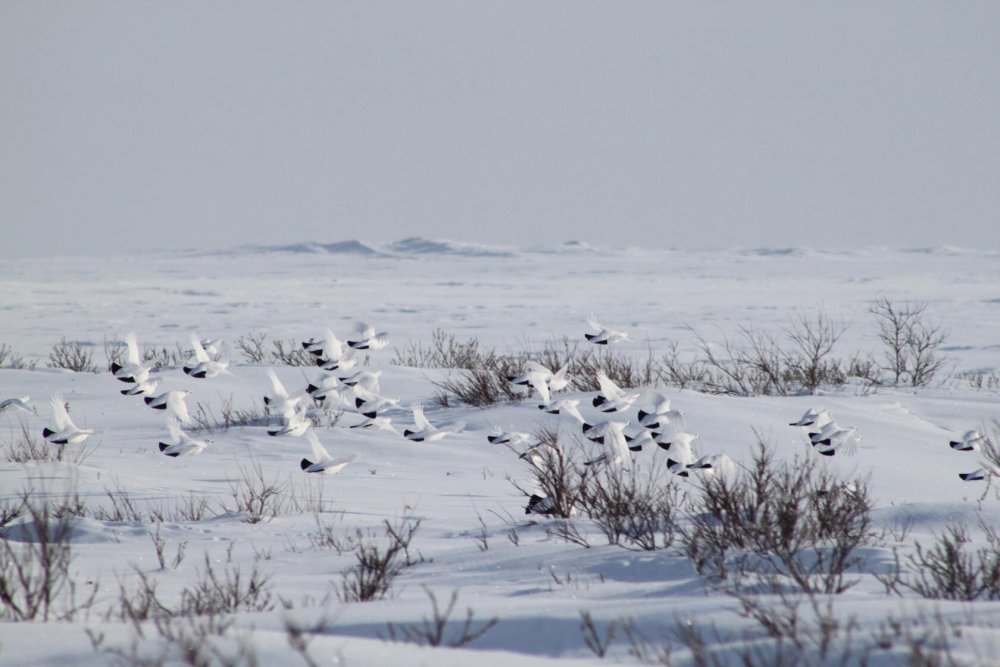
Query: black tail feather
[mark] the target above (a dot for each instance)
(305, 463)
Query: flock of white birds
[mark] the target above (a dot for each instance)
(655, 423)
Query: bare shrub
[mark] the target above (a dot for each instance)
(377, 564)
(205, 420)
(255, 350)
(72, 355)
(556, 476)
(810, 363)
(910, 342)
(255, 496)
(779, 522)
(226, 592)
(123, 507)
(35, 579)
(23, 446)
(596, 641)
(10, 509)
(633, 508)
(10, 359)
(950, 569)
(160, 545)
(439, 630)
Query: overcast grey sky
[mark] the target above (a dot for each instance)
(128, 125)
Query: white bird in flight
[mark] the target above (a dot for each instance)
(369, 340)
(611, 397)
(815, 418)
(498, 436)
(293, 422)
(617, 453)
(563, 406)
(15, 404)
(659, 415)
(65, 431)
(425, 431)
(173, 401)
(369, 404)
(181, 444)
(133, 370)
(376, 423)
(603, 335)
(324, 463)
(325, 385)
(142, 388)
(205, 366)
(831, 440)
(969, 442)
(279, 400)
(679, 446)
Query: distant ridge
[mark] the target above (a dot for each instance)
(351, 247)
(417, 245)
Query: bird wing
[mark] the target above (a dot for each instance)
(59, 414)
(543, 391)
(365, 331)
(131, 349)
(616, 434)
(569, 407)
(176, 434)
(332, 345)
(319, 451)
(418, 417)
(199, 352)
(595, 325)
(608, 387)
(535, 367)
(661, 404)
(279, 389)
(175, 401)
(379, 340)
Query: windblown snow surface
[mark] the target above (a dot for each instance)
(473, 537)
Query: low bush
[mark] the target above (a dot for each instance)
(72, 355)
(779, 522)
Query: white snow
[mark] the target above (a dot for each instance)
(460, 488)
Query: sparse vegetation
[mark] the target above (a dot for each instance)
(12, 360)
(73, 356)
(950, 569)
(35, 578)
(378, 564)
(440, 629)
(255, 350)
(23, 445)
(778, 524)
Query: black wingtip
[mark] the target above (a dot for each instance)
(635, 448)
(46, 432)
(970, 476)
(358, 402)
(267, 400)
(147, 399)
(665, 446)
(827, 452)
(305, 463)
(598, 400)
(115, 367)
(163, 446)
(311, 388)
(493, 439)
(642, 414)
